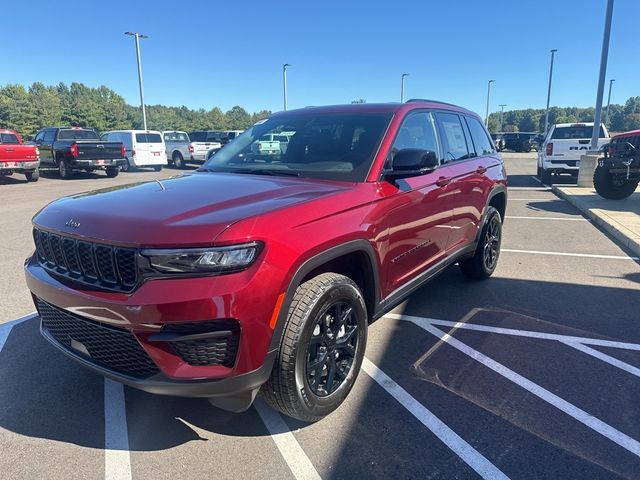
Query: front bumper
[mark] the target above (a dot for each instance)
(156, 303)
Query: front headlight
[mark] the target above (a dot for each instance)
(204, 260)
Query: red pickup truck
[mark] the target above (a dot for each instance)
(16, 157)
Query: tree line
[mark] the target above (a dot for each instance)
(26, 110)
(621, 117)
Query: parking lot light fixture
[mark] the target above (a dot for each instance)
(606, 118)
(486, 118)
(546, 113)
(402, 87)
(502, 105)
(284, 83)
(601, 78)
(138, 36)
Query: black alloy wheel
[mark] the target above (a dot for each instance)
(491, 249)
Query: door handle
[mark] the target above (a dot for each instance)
(481, 170)
(443, 181)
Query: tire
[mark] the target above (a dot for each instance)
(307, 394)
(546, 177)
(538, 171)
(126, 167)
(485, 259)
(112, 172)
(63, 169)
(607, 188)
(32, 176)
(178, 161)
(157, 168)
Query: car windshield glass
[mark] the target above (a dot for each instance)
(9, 138)
(148, 138)
(176, 137)
(77, 134)
(566, 133)
(332, 146)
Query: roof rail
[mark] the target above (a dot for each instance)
(413, 100)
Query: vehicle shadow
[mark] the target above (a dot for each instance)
(12, 179)
(552, 206)
(77, 175)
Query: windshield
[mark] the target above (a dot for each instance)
(77, 134)
(579, 131)
(331, 146)
(176, 137)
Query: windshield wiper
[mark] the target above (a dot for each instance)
(267, 171)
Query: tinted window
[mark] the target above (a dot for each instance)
(148, 138)
(321, 145)
(577, 131)
(417, 131)
(455, 143)
(9, 138)
(232, 135)
(40, 136)
(49, 135)
(197, 136)
(176, 137)
(479, 136)
(77, 134)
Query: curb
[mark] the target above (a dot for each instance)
(614, 228)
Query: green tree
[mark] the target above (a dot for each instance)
(238, 118)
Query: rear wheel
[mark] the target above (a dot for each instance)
(610, 188)
(545, 177)
(63, 169)
(32, 176)
(485, 259)
(126, 166)
(112, 172)
(178, 161)
(321, 350)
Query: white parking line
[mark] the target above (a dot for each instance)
(117, 462)
(519, 333)
(5, 328)
(535, 189)
(536, 179)
(566, 219)
(605, 358)
(298, 462)
(576, 413)
(565, 254)
(451, 439)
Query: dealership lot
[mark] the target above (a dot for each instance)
(532, 374)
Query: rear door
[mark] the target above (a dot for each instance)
(149, 148)
(572, 141)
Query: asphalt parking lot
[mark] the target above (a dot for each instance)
(532, 374)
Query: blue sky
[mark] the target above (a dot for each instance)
(206, 54)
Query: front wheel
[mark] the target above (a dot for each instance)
(485, 259)
(610, 188)
(321, 350)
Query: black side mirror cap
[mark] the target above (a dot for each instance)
(412, 162)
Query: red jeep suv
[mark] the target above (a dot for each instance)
(262, 270)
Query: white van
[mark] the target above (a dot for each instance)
(143, 148)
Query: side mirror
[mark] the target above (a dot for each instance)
(412, 162)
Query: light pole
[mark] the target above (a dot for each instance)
(486, 118)
(284, 83)
(138, 36)
(502, 105)
(402, 87)
(606, 118)
(603, 72)
(546, 113)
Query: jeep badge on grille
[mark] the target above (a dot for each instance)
(72, 223)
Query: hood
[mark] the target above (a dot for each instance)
(187, 210)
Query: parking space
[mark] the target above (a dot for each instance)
(532, 374)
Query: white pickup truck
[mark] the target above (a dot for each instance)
(563, 146)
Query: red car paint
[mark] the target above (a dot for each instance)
(405, 227)
(15, 156)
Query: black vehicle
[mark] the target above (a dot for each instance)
(618, 173)
(498, 141)
(69, 149)
(519, 141)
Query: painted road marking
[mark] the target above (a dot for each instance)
(5, 328)
(565, 254)
(117, 462)
(576, 413)
(535, 189)
(569, 219)
(451, 439)
(605, 358)
(298, 462)
(537, 179)
(519, 333)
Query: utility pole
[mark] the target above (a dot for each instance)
(402, 87)
(606, 118)
(284, 83)
(603, 72)
(546, 113)
(138, 36)
(502, 105)
(486, 118)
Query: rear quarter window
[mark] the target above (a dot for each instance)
(480, 138)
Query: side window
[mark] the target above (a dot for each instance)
(417, 131)
(49, 135)
(480, 138)
(40, 136)
(455, 143)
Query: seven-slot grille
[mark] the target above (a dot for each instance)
(113, 348)
(104, 266)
